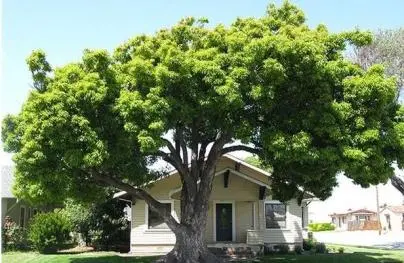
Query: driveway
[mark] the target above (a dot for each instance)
(391, 240)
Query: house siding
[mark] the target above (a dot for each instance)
(292, 234)
(12, 208)
(395, 220)
(244, 220)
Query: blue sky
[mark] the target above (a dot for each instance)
(64, 28)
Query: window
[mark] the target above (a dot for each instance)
(155, 221)
(343, 219)
(275, 215)
(22, 216)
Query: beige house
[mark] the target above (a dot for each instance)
(351, 220)
(241, 210)
(392, 218)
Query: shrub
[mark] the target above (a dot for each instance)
(320, 248)
(308, 244)
(316, 227)
(49, 231)
(298, 249)
(341, 250)
(102, 225)
(15, 238)
(268, 250)
(282, 248)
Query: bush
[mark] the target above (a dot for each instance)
(15, 238)
(316, 227)
(102, 225)
(49, 231)
(341, 250)
(282, 248)
(321, 248)
(308, 244)
(268, 250)
(298, 249)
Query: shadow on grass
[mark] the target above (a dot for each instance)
(112, 259)
(356, 257)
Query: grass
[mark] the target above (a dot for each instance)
(88, 257)
(351, 255)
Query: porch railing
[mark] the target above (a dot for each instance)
(363, 225)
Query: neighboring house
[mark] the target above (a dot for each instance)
(392, 218)
(240, 210)
(347, 194)
(17, 210)
(361, 219)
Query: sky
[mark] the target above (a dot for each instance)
(63, 29)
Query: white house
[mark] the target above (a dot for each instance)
(241, 210)
(392, 218)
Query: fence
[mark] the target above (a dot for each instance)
(363, 225)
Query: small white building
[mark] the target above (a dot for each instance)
(392, 218)
(354, 219)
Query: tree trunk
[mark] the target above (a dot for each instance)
(190, 247)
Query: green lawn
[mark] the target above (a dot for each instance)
(88, 257)
(351, 255)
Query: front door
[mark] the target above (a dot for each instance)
(224, 222)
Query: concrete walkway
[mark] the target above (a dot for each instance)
(390, 240)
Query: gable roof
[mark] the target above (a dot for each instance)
(231, 157)
(396, 208)
(354, 212)
(6, 181)
(227, 156)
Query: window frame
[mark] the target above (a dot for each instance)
(173, 213)
(276, 202)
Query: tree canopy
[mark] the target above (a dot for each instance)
(387, 48)
(271, 83)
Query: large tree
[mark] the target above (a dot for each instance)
(271, 86)
(387, 48)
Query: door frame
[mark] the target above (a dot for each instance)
(233, 210)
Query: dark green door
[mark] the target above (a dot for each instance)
(224, 224)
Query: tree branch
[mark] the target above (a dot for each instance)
(201, 155)
(155, 205)
(170, 146)
(181, 145)
(240, 148)
(398, 183)
(173, 158)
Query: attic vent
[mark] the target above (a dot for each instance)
(237, 167)
(226, 179)
(262, 191)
